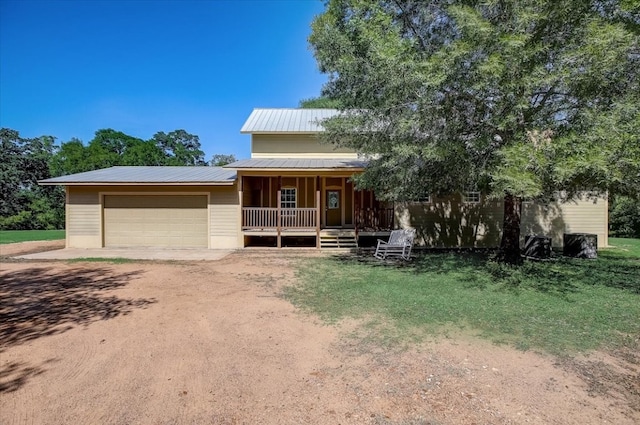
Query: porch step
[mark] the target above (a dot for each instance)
(338, 241)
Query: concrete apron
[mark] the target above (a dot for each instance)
(131, 254)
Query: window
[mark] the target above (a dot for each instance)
(471, 197)
(425, 199)
(288, 197)
(333, 199)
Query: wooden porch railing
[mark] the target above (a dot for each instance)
(374, 219)
(259, 218)
(267, 218)
(367, 219)
(298, 217)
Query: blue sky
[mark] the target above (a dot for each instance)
(69, 68)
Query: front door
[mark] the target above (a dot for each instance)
(333, 208)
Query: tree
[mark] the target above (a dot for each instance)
(22, 163)
(10, 170)
(517, 98)
(109, 148)
(320, 102)
(141, 152)
(23, 203)
(26, 205)
(72, 157)
(218, 160)
(179, 148)
(624, 217)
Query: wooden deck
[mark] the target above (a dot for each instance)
(259, 218)
(279, 223)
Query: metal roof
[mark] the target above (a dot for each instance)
(298, 164)
(269, 120)
(149, 175)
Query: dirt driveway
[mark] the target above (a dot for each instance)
(215, 343)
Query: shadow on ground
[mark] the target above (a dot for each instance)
(559, 275)
(40, 301)
(14, 375)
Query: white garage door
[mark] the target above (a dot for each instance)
(155, 221)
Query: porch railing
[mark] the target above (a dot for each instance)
(367, 219)
(374, 219)
(298, 217)
(259, 218)
(267, 218)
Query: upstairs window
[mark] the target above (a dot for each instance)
(425, 199)
(471, 197)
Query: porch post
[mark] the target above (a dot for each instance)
(318, 212)
(356, 211)
(241, 203)
(67, 196)
(278, 214)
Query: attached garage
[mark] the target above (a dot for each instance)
(164, 207)
(178, 221)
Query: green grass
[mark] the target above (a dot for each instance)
(115, 260)
(13, 236)
(624, 247)
(560, 306)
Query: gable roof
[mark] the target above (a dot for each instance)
(307, 164)
(197, 175)
(290, 120)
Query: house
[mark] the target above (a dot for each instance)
(294, 191)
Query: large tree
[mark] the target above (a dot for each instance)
(517, 98)
(179, 148)
(220, 159)
(23, 203)
(319, 102)
(26, 205)
(109, 148)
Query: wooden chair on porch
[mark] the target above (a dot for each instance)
(399, 244)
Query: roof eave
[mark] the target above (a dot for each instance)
(279, 132)
(198, 183)
(351, 169)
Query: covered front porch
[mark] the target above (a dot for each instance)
(305, 209)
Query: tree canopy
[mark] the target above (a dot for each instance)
(218, 160)
(517, 98)
(179, 148)
(23, 161)
(24, 204)
(320, 102)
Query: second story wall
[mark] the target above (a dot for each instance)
(295, 146)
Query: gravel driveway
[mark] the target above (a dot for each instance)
(215, 343)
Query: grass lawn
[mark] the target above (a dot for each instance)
(12, 236)
(560, 306)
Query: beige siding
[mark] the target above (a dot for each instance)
(224, 218)
(448, 222)
(295, 146)
(83, 218)
(581, 215)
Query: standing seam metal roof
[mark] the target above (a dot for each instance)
(263, 120)
(150, 174)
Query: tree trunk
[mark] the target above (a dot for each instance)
(510, 243)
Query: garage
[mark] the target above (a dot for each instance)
(176, 221)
